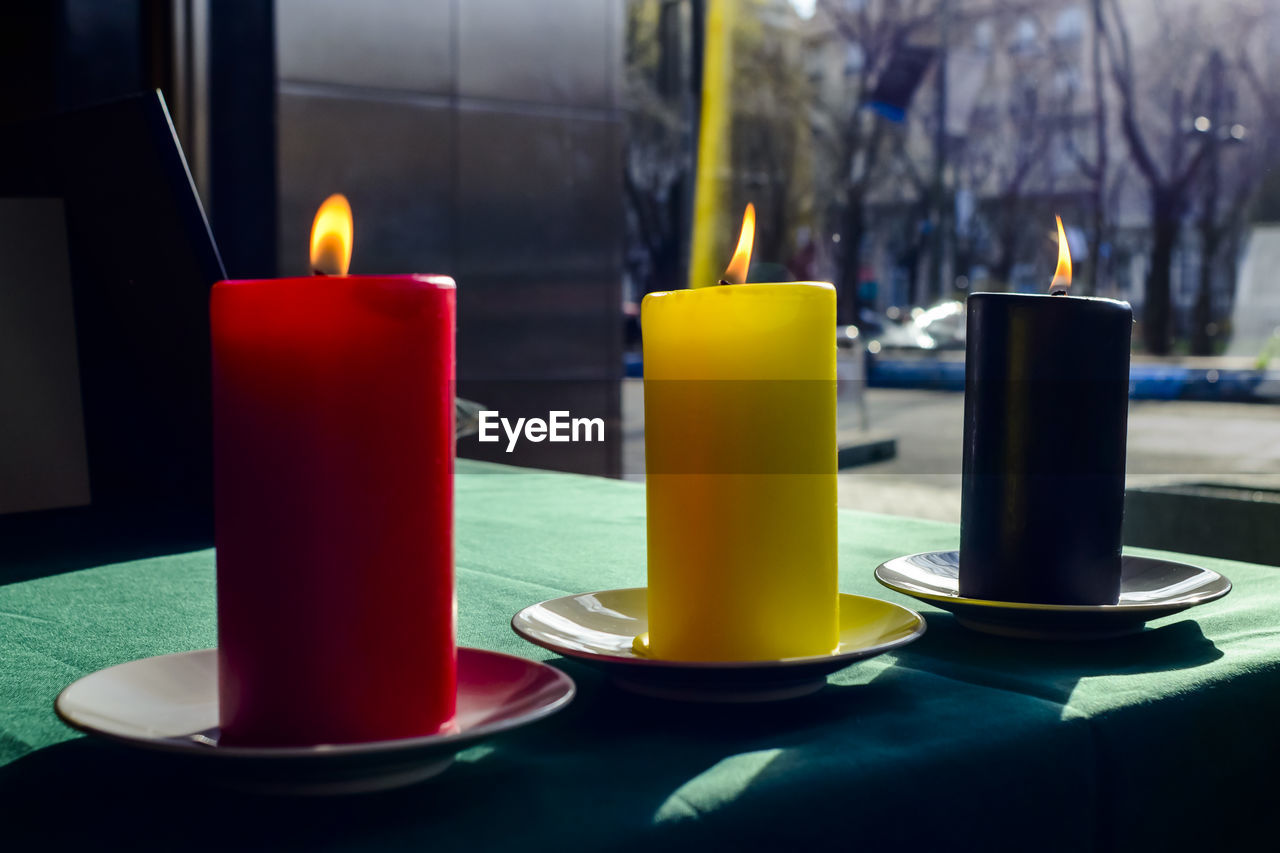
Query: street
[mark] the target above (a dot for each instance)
(1169, 441)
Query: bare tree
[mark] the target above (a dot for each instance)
(1006, 152)
(771, 125)
(1016, 114)
(859, 140)
(913, 202)
(1222, 198)
(1250, 188)
(1169, 177)
(658, 161)
(1264, 145)
(1097, 167)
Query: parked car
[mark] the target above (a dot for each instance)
(941, 327)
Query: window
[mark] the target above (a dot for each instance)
(984, 33)
(1023, 39)
(1069, 25)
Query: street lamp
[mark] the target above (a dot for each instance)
(1224, 134)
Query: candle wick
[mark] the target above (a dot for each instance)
(318, 272)
(723, 282)
(1061, 291)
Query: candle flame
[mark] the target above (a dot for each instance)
(736, 272)
(331, 237)
(1062, 275)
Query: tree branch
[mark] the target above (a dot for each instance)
(1179, 183)
(1268, 99)
(1122, 72)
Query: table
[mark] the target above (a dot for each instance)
(1162, 740)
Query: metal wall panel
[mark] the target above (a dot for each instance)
(242, 137)
(391, 159)
(538, 327)
(389, 44)
(616, 40)
(507, 176)
(582, 398)
(537, 190)
(101, 51)
(537, 52)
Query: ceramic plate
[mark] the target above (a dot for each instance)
(599, 628)
(1149, 589)
(169, 704)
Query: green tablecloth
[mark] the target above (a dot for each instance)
(1162, 740)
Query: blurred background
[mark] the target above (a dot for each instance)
(551, 156)
(915, 151)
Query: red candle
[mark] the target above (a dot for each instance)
(333, 449)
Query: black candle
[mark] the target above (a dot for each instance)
(1045, 413)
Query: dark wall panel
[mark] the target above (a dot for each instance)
(524, 399)
(403, 45)
(242, 136)
(536, 327)
(479, 138)
(392, 161)
(537, 191)
(537, 52)
(102, 51)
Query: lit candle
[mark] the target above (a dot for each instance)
(333, 450)
(1045, 412)
(740, 455)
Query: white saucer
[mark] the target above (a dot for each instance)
(169, 704)
(1149, 589)
(599, 628)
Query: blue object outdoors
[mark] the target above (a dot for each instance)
(888, 111)
(632, 365)
(1146, 381)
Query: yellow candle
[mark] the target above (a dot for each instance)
(740, 455)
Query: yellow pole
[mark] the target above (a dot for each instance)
(706, 254)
